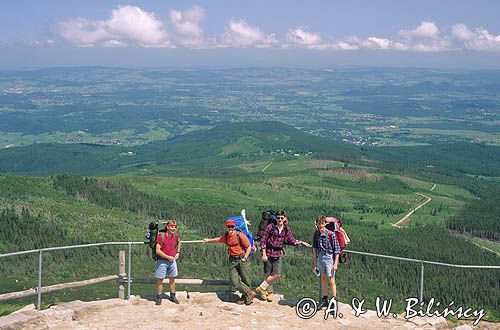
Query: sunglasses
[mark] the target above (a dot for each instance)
(281, 218)
(171, 226)
(230, 227)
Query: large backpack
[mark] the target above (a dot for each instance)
(151, 237)
(268, 217)
(343, 258)
(335, 225)
(242, 226)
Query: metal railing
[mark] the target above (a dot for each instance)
(422, 263)
(129, 271)
(40, 260)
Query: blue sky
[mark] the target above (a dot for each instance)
(463, 34)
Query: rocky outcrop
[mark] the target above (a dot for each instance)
(201, 311)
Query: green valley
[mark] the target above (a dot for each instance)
(202, 177)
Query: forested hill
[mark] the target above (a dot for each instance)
(221, 146)
(456, 158)
(219, 150)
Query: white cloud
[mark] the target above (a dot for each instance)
(480, 39)
(299, 36)
(424, 30)
(340, 45)
(187, 26)
(82, 32)
(462, 32)
(484, 41)
(240, 34)
(41, 43)
(401, 46)
(126, 23)
(137, 25)
(114, 44)
(424, 38)
(376, 43)
(426, 48)
(129, 26)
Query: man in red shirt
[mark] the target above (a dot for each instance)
(239, 268)
(168, 249)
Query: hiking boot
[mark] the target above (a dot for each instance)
(249, 297)
(270, 297)
(158, 300)
(324, 303)
(262, 293)
(173, 299)
(241, 301)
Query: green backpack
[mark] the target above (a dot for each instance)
(151, 237)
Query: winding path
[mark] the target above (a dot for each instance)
(406, 217)
(265, 168)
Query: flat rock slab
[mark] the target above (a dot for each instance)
(201, 311)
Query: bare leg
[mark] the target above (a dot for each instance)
(171, 283)
(324, 288)
(333, 286)
(272, 278)
(159, 285)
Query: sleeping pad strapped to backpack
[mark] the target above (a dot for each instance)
(242, 226)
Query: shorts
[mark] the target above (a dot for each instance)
(272, 266)
(165, 268)
(325, 264)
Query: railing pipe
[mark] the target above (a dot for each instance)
(422, 283)
(422, 261)
(58, 248)
(41, 251)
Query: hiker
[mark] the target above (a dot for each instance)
(239, 267)
(168, 250)
(326, 251)
(272, 240)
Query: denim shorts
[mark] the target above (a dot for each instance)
(165, 268)
(325, 264)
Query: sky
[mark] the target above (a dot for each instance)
(170, 33)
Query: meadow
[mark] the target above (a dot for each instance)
(71, 209)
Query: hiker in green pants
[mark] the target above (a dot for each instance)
(239, 267)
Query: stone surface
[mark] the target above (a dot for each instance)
(463, 327)
(204, 311)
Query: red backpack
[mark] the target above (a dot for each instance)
(335, 225)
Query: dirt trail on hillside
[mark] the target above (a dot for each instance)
(407, 217)
(265, 168)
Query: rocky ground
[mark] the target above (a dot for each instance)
(207, 311)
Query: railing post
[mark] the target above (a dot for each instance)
(129, 269)
(39, 289)
(121, 274)
(422, 283)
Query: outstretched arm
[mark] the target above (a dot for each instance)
(211, 240)
(290, 240)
